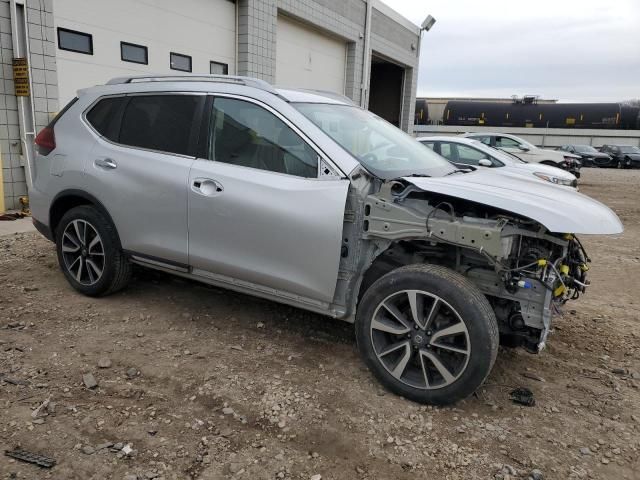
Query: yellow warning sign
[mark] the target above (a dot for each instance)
(21, 76)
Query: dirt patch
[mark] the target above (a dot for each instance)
(205, 383)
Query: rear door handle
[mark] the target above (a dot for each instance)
(206, 187)
(105, 163)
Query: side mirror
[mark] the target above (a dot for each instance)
(523, 148)
(485, 162)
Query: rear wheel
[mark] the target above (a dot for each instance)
(89, 252)
(427, 333)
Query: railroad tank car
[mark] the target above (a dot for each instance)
(422, 112)
(552, 115)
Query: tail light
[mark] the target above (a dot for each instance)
(46, 141)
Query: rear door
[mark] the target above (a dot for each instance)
(260, 215)
(139, 169)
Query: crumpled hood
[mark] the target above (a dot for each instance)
(560, 210)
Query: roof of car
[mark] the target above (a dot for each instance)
(301, 95)
(450, 138)
(200, 82)
(491, 134)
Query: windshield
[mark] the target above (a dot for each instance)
(629, 149)
(585, 149)
(384, 150)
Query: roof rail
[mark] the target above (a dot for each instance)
(328, 94)
(235, 79)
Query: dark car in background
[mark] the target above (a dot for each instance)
(624, 156)
(589, 156)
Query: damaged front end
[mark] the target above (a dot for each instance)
(526, 271)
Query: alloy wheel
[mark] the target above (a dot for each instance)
(83, 252)
(420, 339)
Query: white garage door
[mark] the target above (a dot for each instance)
(308, 58)
(202, 32)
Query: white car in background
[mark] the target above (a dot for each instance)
(528, 152)
(463, 152)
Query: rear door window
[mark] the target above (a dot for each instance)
(166, 123)
(506, 142)
(431, 145)
(104, 117)
(447, 150)
(482, 138)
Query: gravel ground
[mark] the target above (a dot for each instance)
(198, 382)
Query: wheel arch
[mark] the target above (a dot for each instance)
(71, 198)
(399, 254)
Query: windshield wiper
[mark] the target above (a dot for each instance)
(460, 170)
(417, 175)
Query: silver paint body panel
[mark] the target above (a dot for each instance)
(266, 228)
(272, 235)
(558, 209)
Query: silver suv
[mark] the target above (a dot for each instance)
(305, 199)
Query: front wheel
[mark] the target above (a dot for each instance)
(427, 333)
(89, 252)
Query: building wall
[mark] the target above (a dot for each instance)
(399, 45)
(543, 137)
(398, 42)
(44, 91)
(308, 58)
(205, 31)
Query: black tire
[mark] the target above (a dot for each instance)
(116, 268)
(459, 297)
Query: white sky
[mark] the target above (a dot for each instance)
(571, 50)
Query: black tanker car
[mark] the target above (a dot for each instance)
(536, 115)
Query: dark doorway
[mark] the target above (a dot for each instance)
(385, 90)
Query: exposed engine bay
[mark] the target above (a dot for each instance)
(526, 272)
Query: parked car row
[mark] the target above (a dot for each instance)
(469, 151)
(475, 151)
(612, 156)
(306, 199)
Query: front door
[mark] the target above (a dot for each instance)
(259, 215)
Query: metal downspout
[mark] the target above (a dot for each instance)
(366, 59)
(24, 103)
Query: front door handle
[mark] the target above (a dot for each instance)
(105, 163)
(206, 187)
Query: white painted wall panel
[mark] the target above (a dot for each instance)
(202, 29)
(308, 58)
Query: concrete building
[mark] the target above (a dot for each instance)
(360, 48)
